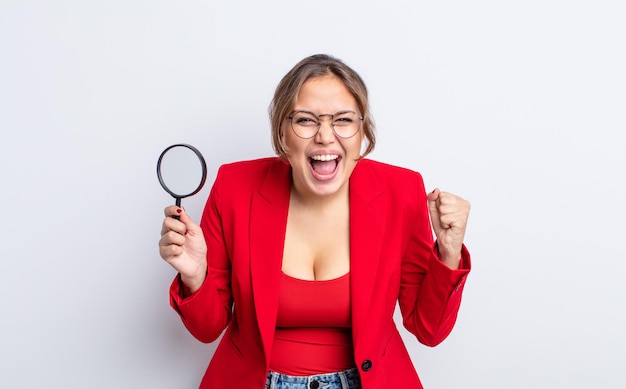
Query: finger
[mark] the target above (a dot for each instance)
(452, 220)
(433, 209)
(446, 198)
(172, 237)
(190, 226)
(449, 203)
(170, 252)
(171, 245)
(171, 224)
(173, 210)
(434, 195)
(449, 209)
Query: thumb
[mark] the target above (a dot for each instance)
(433, 196)
(433, 209)
(189, 223)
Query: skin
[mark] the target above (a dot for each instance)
(317, 241)
(322, 95)
(448, 216)
(182, 245)
(317, 235)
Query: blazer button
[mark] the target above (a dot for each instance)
(366, 365)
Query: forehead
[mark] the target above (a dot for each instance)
(325, 94)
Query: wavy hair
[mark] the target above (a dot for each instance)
(310, 67)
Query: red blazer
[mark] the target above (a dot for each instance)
(392, 257)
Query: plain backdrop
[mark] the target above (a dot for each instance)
(517, 106)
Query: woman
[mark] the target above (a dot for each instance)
(302, 258)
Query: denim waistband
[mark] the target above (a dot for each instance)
(347, 379)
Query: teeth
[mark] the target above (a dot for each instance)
(327, 157)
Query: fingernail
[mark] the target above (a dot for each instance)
(179, 210)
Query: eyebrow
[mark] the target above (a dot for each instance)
(321, 114)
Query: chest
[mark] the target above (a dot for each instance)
(317, 245)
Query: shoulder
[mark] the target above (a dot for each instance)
(386, 173)
(401, 189)
(242, 175)
(249, 165)
(250, 169)
(253, 166)
(372, 178)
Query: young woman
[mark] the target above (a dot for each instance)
(302, 257)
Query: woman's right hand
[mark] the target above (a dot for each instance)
(182, 245)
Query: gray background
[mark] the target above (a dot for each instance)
(516, 106)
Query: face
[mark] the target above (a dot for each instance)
(322, 165)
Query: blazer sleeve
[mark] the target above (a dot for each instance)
(208, 311)
(430, 292)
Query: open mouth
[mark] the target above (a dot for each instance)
(324, 165)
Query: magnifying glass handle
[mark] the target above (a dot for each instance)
(178, 205)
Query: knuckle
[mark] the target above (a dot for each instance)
(175, 237)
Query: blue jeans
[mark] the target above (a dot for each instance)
(347, 379)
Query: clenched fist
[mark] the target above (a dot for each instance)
(448, 215)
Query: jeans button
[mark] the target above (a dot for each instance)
(314, 384)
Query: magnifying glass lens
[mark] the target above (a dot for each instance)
(181, 170)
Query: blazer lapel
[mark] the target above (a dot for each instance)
(367, 223)
(268, 222)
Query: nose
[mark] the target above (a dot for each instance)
(326, 132)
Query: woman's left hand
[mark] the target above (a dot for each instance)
(448, 215)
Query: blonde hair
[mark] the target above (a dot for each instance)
(311, 67)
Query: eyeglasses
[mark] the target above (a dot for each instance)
(306, 124)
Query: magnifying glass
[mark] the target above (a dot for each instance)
(182, 171)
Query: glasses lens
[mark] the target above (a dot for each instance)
(306, 124)
(346, 124)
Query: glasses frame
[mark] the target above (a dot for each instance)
(319, 122)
